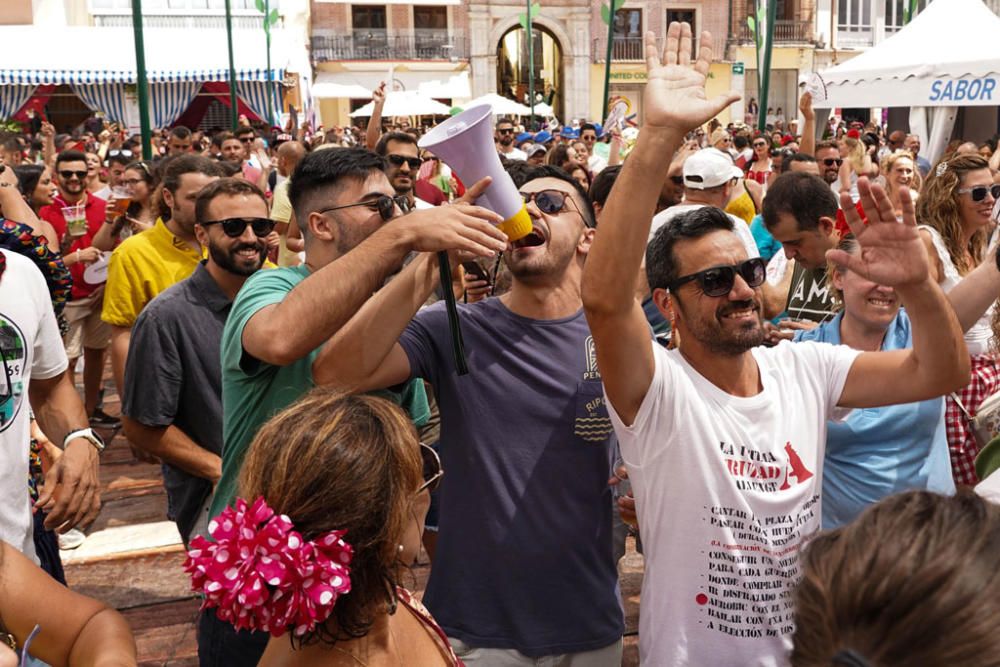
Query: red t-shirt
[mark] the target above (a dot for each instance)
(95, 212)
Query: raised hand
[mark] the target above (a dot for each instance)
(675, 91)
(378, 95)
(806, 105)
(891, 251)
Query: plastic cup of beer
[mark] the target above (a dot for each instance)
(120, 200)
(76, 220)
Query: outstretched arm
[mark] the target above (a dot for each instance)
(807, 144)
(892, 254)
(673, 104)
(75, 630)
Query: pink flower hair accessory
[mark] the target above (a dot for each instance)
(259, 574)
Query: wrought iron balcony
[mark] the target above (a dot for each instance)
(630, 49)
(785, 32)
(379, 45)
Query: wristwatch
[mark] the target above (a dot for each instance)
(88, 435)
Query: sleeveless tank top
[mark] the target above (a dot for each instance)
(977, 338)
(742, 207)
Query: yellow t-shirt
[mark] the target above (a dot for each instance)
(281, 211)
(141, 267)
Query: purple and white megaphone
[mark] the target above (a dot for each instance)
(465, 143)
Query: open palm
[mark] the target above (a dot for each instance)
(675, 91)
(891, 251)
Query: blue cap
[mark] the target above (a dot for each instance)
(524, 136)
(542, 137)
(599, 128)
(570, 133)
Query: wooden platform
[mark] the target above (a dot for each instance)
(146, 583)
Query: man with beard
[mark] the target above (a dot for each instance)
(829, 161)
(275, 345)
(173, 378)
(402, 162)
(523, 567)
(88, 336)
(504, 137)
(146, 264)
(723, 439)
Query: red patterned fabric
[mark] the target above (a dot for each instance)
(961, 443)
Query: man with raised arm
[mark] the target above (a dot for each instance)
(723, 439)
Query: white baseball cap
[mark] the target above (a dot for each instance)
(709, 168)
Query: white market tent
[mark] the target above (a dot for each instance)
(405, 103)
(502, 106)
(101, 66)
(947, 57)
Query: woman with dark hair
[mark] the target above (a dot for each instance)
(35, 184)
(954, 212)
(759, 168)
(346, 481)
(912, 582)
(130, 207)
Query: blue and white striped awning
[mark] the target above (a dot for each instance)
(105, 55)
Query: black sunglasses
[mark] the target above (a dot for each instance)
(67, 174)
(506, 130)
(759, 144)
(398, 160)
(830, 161)
(247, 140)
(433, 472)
(234, 227)
(719, 280)
(978, 192)
(384, 204)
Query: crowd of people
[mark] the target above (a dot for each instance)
(780, 339)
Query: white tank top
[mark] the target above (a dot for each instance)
(977, 338)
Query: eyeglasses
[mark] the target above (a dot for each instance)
(384, 204)
(247, 140)
(234, 227)
(67, 174)
(759, 144)
(548, 202)
(132, 182)
(506, 130)
(830, 161)
(719, 280)
(978, 192)
(399, 160)
(433, 472)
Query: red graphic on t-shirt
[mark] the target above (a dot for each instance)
(795, 468)
(701, 598)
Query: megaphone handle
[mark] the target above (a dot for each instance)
(458, 345)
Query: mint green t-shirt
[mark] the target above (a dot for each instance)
(254, 391)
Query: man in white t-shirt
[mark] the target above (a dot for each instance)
(709, 176)
(723, 439)
(33, 367)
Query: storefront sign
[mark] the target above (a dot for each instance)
(625, 76)
(963, 90)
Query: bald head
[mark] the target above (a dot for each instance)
(290, 153)
(896, 139)
(968, 147)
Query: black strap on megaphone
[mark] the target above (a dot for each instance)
(457, 344)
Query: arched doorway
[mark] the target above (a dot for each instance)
(513, 72)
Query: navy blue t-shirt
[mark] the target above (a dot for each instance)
(524, 556)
